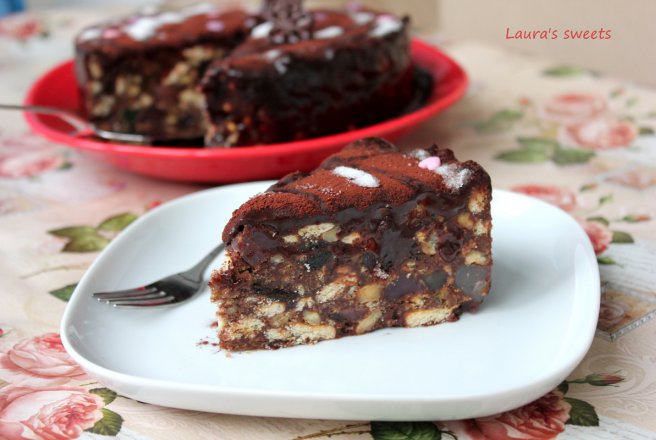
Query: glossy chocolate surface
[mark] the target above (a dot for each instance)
(322, 193)
(157, 29)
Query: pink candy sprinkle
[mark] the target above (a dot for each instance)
(430, 163)
(215, 26)
(111, 33)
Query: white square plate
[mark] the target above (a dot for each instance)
(531, 332)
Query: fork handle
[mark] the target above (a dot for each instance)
(80, 125)
(197, 271)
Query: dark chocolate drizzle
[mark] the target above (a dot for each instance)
(322, 195)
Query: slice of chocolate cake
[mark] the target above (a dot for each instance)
(373, 238)
(139, 74)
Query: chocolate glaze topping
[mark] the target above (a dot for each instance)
(331, 31)
(310, 30)
(155, 29)
(325, 192)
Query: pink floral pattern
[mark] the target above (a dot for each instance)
(558, 196)
(29, 164)
(600, 133)
(599, 235)
(41, 359)
(586, 121)
(45, 398)
(26, 156)
(49, 413)
(573, 108)
(542, 419)
(20, 27)
(639, 178)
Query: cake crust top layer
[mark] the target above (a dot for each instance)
(367, 172)
(333, 31)
(156, 29)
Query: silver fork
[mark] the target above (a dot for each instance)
(82, 127)
(173, 289)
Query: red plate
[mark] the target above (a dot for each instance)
(58, 88)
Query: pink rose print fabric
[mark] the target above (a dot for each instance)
(601, 133)
(586, 121)
(48, 396)
(573, 108)
(541, 420)
(28, 164)
(39, 360)
(20, 27)
(561, 197)
(599, 235)
(27, 156)
(50, 413)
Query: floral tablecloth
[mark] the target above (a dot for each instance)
(575, 138)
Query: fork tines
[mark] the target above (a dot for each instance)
(139, 297)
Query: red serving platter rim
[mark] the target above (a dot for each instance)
(433, 106)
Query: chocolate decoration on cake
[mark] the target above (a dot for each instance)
(373, 238)
(291, 23)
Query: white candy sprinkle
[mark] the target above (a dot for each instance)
(329, 32)
(89, 34)
(215, 26)
(419, 154)
(281, 64)
(385, 24)
(262, 30)
(145, 27)
(454, 176)
(362, 17)
(356, 176)
(272, 54)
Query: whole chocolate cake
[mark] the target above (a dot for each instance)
(373, 238)
(279, 75)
